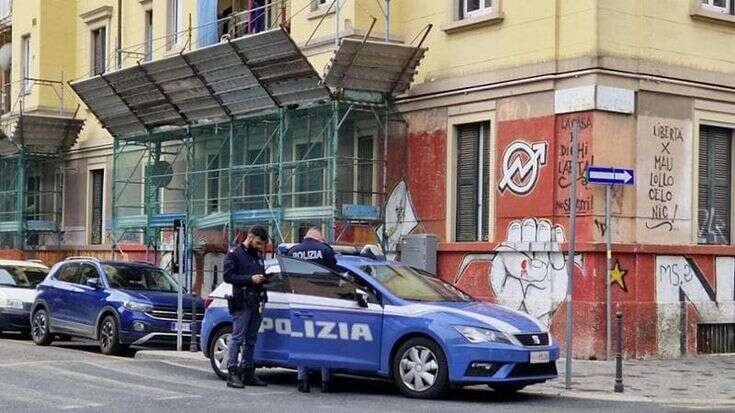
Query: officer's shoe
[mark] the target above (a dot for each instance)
(328, 387)
(304, 386)
(252, 380)
(233, 378)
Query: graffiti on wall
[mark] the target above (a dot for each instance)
(664, 162)
(520, 166)
(565, 167)
(528, 270)
(400, 216)
(680, 280)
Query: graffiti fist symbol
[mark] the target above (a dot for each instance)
(528, 270)
(521, 164)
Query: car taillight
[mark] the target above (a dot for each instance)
(208, 301)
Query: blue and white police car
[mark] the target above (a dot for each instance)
(384, 318)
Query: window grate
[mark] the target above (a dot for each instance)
(716, 338)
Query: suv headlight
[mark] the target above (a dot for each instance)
(12, 304)
(484, 335)
(133, 306)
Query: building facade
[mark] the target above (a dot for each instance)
(484, 158)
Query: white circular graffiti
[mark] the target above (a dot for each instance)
(521, 164)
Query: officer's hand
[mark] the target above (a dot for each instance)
(257, 279)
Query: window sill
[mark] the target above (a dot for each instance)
(319, 12)
(493, 17)
(700, 12)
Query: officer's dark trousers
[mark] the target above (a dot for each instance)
(245, 326)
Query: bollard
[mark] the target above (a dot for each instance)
(619, 355)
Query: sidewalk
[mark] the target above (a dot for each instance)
(698, 381)
(704, 381)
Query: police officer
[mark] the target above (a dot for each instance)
(314, 249)
(243, 268)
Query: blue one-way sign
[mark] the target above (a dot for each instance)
(603, 175)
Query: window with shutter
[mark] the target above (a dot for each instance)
(473, 170)
(715, 165)
(97, 203)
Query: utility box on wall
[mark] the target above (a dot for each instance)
(419, 250)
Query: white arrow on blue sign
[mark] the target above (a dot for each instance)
(603, 175)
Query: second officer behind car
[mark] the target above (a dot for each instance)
(244, 269)
(314, 249)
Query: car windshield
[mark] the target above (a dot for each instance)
(20, 276)
(138, 277)
(412, 284)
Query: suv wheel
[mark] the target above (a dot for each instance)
(109, 336)
(420, 369)
(40, 328)
(220, 350)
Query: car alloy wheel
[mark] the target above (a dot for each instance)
(220, 351)
(109, 337)
(106, 334)
(418, 368)
(39, 328)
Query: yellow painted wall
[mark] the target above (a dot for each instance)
(664, 31)
(25, 22)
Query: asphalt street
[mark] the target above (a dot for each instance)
(73, 376)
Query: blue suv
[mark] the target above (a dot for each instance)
(117, 303)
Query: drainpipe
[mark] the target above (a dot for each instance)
(119, 34)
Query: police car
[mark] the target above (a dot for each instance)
(386, 319)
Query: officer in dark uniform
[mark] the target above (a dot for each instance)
(314, 249)
(244, 269)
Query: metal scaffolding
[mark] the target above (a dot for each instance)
(246, 132)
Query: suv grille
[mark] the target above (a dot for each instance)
(170, 313)
(541, 339)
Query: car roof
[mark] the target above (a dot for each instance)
(356, 260)
(20, 263)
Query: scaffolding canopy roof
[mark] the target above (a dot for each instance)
(39, 134)
(229, 80)
(373, 66)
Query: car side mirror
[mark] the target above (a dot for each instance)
(361, 297)
(93, 283)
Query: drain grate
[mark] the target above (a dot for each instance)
(716, 338)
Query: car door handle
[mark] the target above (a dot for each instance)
(304, 314)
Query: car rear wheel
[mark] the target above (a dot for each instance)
(109, 336)
(420, 369)
(219, 351)
(40, 328)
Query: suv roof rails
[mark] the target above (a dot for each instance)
(80, 257)
(36, 261)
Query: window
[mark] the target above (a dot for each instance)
(257, 183)
(86, 272)
(33, 198)
(25, 63)
(307, 278)
(723, 6)
(715, 166)
(68, 274)
(148, 35)
(175, 22)
(213, 176)
(409, 283)
(99, 50)
(21, 277)
(364, 170)
(96, 192)
(59, 198)
(473, 171)
(139, 277)
(309, 177)
(474, 8)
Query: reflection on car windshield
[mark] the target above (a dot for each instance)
(21, 277)
(137, 277)
(411, 284)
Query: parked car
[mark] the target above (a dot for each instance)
(18, 281)
(118, 303)
(386, 319)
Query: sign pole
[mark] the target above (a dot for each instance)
(570, 257)
(180, 291)
(608, 275)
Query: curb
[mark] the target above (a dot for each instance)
(176, 356)
(621, 397)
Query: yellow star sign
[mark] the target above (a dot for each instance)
(617, 276)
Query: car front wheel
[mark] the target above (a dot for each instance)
(40, 328)
(219, 351)
(420, 369)
(109, 336)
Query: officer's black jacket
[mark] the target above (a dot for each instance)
(239, 267)
(315, 251)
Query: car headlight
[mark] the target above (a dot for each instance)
(12, 304)
(133, 306)
(483, 335)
